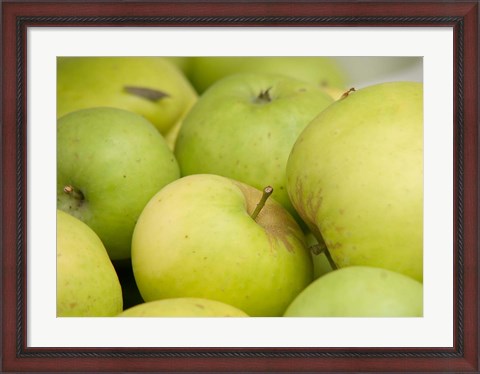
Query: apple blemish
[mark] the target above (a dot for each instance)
(146, 93)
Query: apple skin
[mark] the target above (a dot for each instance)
(118, 161)
(232, 132)
(196, 238)
(360, 291)
(321, 71)
(181, 62)
(85, 82)
(355, 176)
(87, 284)
(183, 307)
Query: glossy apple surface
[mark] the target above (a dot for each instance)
(359, 291)
(87, 284)
(196, 238)
(244, 128)
(152, 87)
(183, 307)
(355, 175)
(110, 162)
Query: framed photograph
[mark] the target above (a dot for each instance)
(432, 43)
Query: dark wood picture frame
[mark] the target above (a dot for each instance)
(17, 16)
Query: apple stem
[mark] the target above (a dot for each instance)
(267, 191)
(330, 259)
(318, 249)
(264, 96)
(76, 194)
(345, 94)
(322, 248)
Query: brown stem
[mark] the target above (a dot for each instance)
(264, 96)
(330, 259)
(345, 94)
(318, 249)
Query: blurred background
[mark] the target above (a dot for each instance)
(364, 71)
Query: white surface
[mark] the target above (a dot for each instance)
(433, 330)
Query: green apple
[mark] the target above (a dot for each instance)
(110, 162)
(356, 176)
(172, 134)
(87, 284)
(244, 128)
(321, 71)
(202, 236)
(149, 86)
(183, 307)
(360, 291)
(181, 62)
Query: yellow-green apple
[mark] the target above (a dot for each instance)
(321, 71)
(110, 162)
(87, 284)
(355, 176)
(244, 128)
(359, 291)
(172, 134)
(183, 307)
(149, 86)
(203, 236)
(181, 62)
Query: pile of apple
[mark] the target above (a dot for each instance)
(236, 186)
